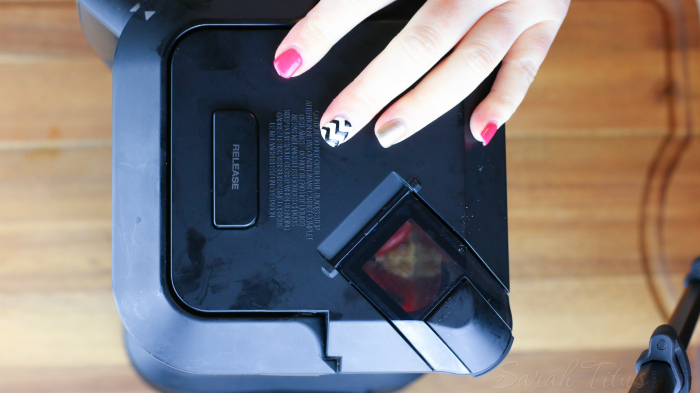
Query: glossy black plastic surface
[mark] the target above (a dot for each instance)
(416, 269)
(171, 380)
(235, 150)
(472, 329)
(408, 259)
(306, 187)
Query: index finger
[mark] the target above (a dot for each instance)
(314, 35)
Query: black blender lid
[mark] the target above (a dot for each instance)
(262, 211)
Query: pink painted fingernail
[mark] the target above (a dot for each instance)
(488, 132)
(288, 63)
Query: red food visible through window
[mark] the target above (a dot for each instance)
(409, 267)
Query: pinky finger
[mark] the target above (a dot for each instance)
(520, 65)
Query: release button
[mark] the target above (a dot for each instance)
(235, 169)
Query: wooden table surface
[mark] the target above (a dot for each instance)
(603, 188)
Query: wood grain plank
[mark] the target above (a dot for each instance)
(50, 29)
(66, 255)
(61, 328)
(52, 86)
(574, 204)
(38, 3)
(603, 75)
(682, 218)
(88, 379)
(55, 219)
(55, 233)
(544, 372)
(53, 185)
(578, 313)
(580, 371)
(55, 99)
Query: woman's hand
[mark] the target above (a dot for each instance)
(482, 33)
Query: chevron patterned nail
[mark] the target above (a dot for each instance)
(336, 131)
